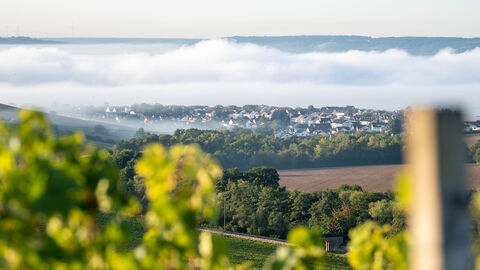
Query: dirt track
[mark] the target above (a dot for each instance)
(374, 178)
(247, 236)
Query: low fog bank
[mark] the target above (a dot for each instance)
(156, 127)
(224, 72)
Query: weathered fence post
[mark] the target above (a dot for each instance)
(438, 219)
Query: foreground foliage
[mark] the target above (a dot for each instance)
(62, 207)
(50, 193)
(371, 248)
(53, 190)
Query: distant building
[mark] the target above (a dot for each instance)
(333, 241)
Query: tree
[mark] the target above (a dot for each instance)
(265, 130)
(475, 152)
(324, 206)
(388, 212)
(232, 175)
(311, 109)
(140, 133)
(99, 129)
(121, 158)
(343, 219)
(395, 125)
(301, 203)
(264, 176)
(281, 117)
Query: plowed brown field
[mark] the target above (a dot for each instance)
(374, 178)
(472, 139)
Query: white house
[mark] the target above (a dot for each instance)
(378, 127)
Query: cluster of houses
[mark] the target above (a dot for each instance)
(295, 122)
(472, 126)
(330, 120)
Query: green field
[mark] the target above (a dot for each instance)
(247, 251)
(255, 253)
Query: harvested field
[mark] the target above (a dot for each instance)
(373, 178)
(472, 139)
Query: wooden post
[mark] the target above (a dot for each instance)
(438, 216)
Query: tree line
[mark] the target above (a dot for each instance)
(246, 149)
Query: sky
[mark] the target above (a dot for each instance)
(220, 18)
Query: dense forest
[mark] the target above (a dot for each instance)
(255, 204)
(246, 149)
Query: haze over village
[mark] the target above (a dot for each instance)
(280, 121)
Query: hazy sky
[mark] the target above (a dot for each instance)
(217, 18)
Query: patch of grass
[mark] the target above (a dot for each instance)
(256, 253)
(131, 225)
(336, 261)
(247, 251)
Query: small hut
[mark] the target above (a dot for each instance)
(333, 241)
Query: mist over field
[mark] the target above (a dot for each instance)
(223, 71)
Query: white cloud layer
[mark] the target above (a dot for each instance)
(219, 71)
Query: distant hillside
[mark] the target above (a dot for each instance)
(413, 45)
(103, 134)
(26, 40)
(305, 44)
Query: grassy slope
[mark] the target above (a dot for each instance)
(113, 133)
(63, 125)
(247, 251)
(255, 253)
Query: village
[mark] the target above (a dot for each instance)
(281, 121)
